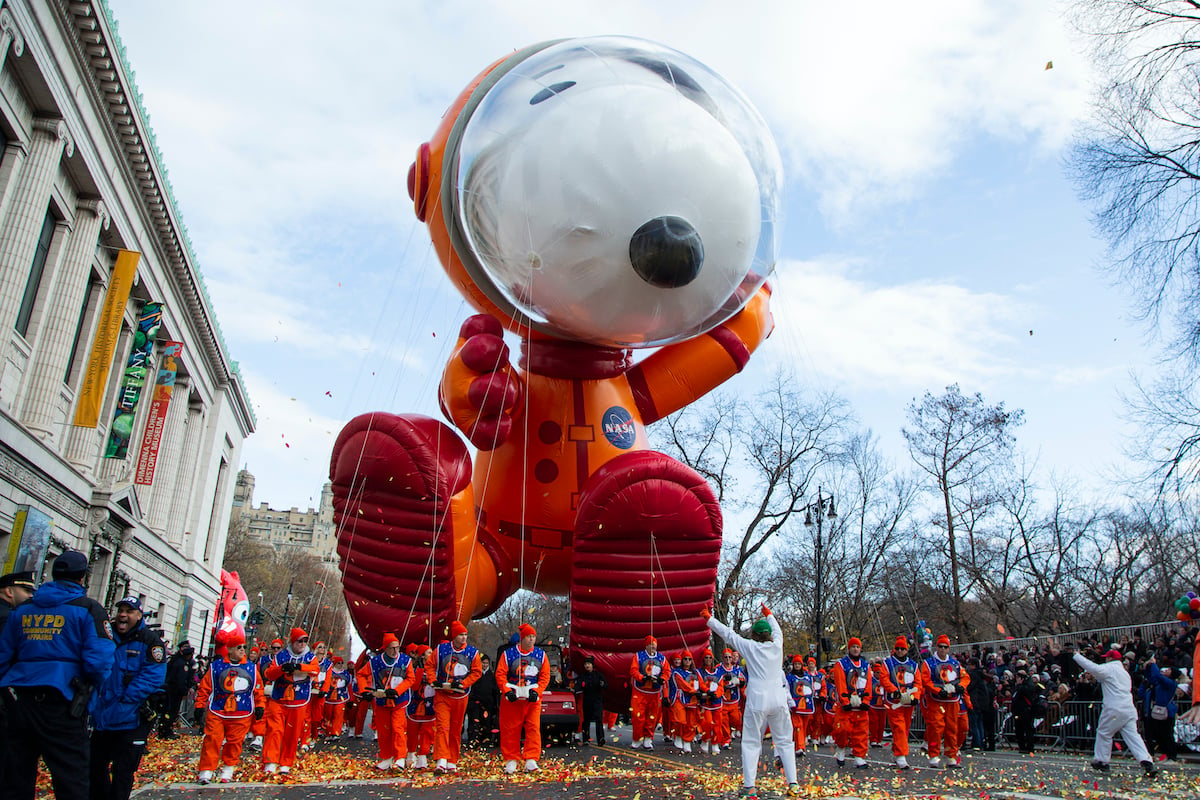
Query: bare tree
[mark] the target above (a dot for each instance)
(770, 449)
(1140, 162)
(959, 441)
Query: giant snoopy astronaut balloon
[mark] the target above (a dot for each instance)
(592, 197)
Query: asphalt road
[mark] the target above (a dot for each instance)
(618, 772)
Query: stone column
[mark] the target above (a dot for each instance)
(185, 477)
(26, 213)
(52, 344)
(166, 468)
(9, 35)
(10, 169)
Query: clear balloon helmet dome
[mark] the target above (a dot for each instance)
(614, 191)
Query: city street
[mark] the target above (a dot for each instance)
(346, 769)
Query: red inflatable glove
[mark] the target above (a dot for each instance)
(705, 613)
(479, 387)
(766, 611)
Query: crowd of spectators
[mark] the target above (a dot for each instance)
(1025, 679)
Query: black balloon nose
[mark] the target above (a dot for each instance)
(667, 252)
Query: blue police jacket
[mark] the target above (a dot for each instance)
(139, 670)
(1160, 690)
(58, 635)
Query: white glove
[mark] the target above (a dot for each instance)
(855, 701)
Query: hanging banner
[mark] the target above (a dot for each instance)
(182, 622)
(30, 542)
(95, 379)
(138, 366)
(164, 385)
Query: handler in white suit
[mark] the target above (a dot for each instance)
(1117, 714)
(766, 696)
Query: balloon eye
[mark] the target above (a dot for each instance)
(550, 91)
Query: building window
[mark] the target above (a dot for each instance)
(93, 283)
(35, 274)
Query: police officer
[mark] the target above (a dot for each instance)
(181, 676)
(120, 724)
(15, 588)
(53, 650)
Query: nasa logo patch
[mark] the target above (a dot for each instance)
(619, 427)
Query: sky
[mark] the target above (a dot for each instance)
(931, 237)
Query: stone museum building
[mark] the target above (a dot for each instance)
(122, 414)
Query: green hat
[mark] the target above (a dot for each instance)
(760, 626)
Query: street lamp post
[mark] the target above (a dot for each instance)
(822, 507)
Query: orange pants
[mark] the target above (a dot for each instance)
(673, 721)
(223, 739)
(733, 715)
(877, 717)
(316, 716)
(963, 727)
(515, 717)
(645, 709)
(824, 723)
(688, 718)
(900, 719)
(850, 730)
(360, 716)
(941, 728)
(391, 728)
(259, 726)
(714, 726)
(420, 735)
(448, 714)
(610, 719)
(284, 726)
(335, 718)
(800, 726)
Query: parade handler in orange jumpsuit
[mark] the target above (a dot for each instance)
(522, 674)
(766, 696)
(943, 680)
(647, 673)
(901, 680)
(852, 682)
(451, 672)
(386, 681)
(292, 670)
(229, 699)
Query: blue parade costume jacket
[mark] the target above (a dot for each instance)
(58, 635)
(139, 670)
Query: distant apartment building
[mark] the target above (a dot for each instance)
(312, 530)
(122, 412)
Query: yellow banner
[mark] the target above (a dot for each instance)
(91, 390)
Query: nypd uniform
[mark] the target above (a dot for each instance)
(50, 648)
(119, 726)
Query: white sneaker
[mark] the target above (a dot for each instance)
(226, 774)
(271, 768)
(648, 743)
(716, 748)
(531, 765)
(422, 762)
(510, 767)
(679, 744)
(410, 760)
(704, 747)
(440, 766)
(386, 764)
(284, 770)
(901, 762)
(205, 776)
(635, 744)
(860, 762)
(256, 743)
(451, 766)
(935, 762)
(687, 747)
